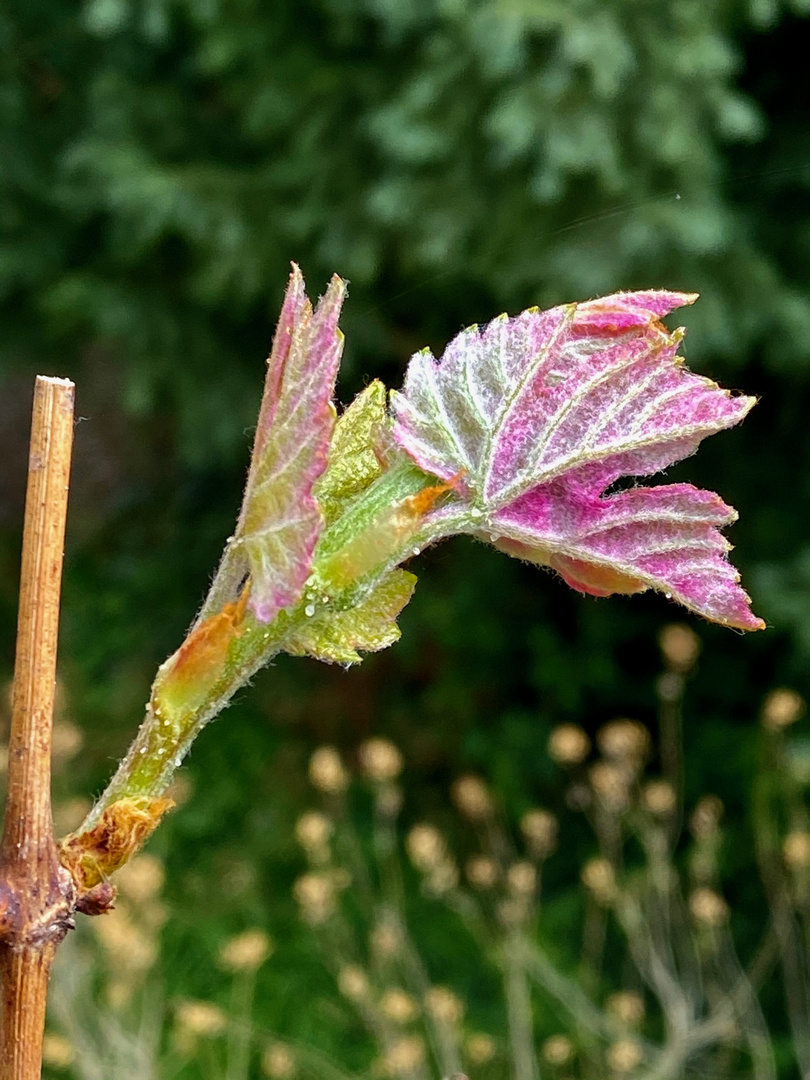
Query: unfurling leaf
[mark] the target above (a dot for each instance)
(281, 520)
(535, 417)
(369, 626)
(353, 463)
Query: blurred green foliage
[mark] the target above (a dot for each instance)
(162, 161)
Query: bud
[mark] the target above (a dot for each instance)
(326, 771)
(624, 1056)
(598, 878)
(708, 908)
(568, 745)
(796, 850)
(624, 741)
(245, 952)
(627, 1007)
(472, 798)
(482, 872)
(658, 798)
(380, 760)
(680, 647)
(539, 827)
(558, 1050)
(398, 1006)
(443, 1005)
(782, 708)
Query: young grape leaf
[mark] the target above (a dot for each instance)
(533, 418)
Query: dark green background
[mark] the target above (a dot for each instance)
(162, 162)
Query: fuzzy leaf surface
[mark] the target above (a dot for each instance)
(533, 418)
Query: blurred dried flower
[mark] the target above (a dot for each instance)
(659, 798)
(380, 760)
(442, 878)
(624, 1056)
(708, 908)
(315, 895)
(353, 983)
(444, 1005)
(480, 1048)
(69, 815)
(200, 1018)
(781, 708)
(568, 745)
(624, 741)
(680, 646)
(389, 800)
(278, 1062)
(405, 1055)
(326, 771)
(558, 1050)
(627, 1006)
(521, 878)
(386, 939)
(141, 879)
(472, 797)
(57, 1051)
(245, 952)
(398, 1006)
(669, 686)
(426, 847)
(611, 784)
(539, 828)
(67, 741)
(313, 832)
(796, 850)
(706, 817)
(598, 878)
(481, 871)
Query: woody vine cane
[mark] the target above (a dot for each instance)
(36, 893)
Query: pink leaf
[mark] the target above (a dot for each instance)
(280, 520)
(534, 417)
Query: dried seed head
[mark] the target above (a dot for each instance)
(405, 1055)
(482, 872)
(624, 1056)
(278, 1062)
(245, 952)
(782, 708)
(315, 894)
(380, 760)
(472, 798)
(313, 831)
(398, 1006)
(796, 850)
(386, 940)
(627, 1006)
(611, 784)
(558, 1050)
(598, 878)
(480, 1048)
(443, 1005)
(706, 817)
(708, 908)
(521, 878)
(568, 745)
(680, 647)
(200, 1018)
(539, 828)
(658, 797)
(141, 879)
(426, 847)
(57, 1051)
(326, 771)
(353, 983)
(625, 741)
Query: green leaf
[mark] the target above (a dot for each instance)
(337, 636)
(353, 463)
